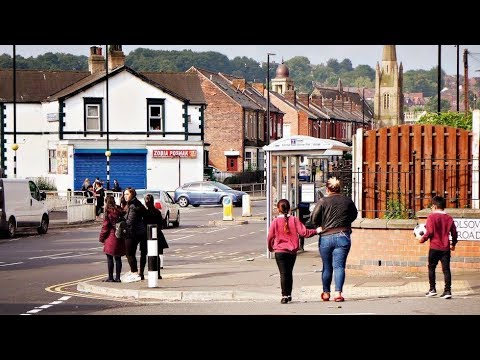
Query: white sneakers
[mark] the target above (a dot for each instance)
(130, 277)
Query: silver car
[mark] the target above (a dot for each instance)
(164, 202)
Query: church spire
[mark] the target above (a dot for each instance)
(389, 53)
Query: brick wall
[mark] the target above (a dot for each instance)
(384, 247)
(291, 114)
(224, 126)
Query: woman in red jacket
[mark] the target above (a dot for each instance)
(114, 248)
(283, 239)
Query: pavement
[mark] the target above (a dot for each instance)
(257, 279)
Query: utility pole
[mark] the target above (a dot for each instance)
(465, 80)
(458, 78)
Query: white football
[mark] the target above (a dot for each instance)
(419, 230)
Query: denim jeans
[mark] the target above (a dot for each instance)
(334, 249)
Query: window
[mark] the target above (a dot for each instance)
(52, 161)
(93, 114)
(189, 119)
(93, 117)
(156, 114)
(248, 160)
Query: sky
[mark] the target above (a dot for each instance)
(413, 57)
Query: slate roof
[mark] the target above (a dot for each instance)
(254, 95)
(182, 86)
(226, 87)
(36, 85)
(186, 85)
(46, 85)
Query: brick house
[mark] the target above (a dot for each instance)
(236, 121)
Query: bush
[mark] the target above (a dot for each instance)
(45, 183)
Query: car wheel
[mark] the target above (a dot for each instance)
(182, 201)
(43, 228)
(166, 221)
(12, 228)
(176, 223)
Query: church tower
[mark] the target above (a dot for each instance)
(282, 81)
(388, 101)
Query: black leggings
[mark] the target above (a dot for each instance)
(434, 256)
(132, 245)
(118, 264)
(285, 263)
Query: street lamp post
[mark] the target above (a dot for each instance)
(268, 97)
(439, 80)
(363, 108)
(458, 77)
(107, 120)
(15, 145)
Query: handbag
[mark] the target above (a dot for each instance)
(120, 228)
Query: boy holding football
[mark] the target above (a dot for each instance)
(439, 226)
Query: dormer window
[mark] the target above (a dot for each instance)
(93, 114)
(156, 114)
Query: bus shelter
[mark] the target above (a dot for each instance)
(284, 159)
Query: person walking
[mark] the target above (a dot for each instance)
(113, 247)
(334, 213)
(154, 217)
(136, 235)
(439, 227)
(283, 240)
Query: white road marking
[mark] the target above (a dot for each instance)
(71, 256)
(49, 256)
(10, 264)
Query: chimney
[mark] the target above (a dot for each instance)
(317, 100)
(116, 57)
(304, 99)
(239, 84)
(259, 87)
(96, 61)
(291, 95)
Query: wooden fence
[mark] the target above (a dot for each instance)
(400, 168)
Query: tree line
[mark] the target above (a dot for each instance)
(302, 72)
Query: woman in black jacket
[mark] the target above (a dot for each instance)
(154, 217)
(136, 235)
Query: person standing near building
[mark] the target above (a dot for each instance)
(283, 240)
(100, 196)
(116, 186)
(439, 226)
(154, 217)
(136, 235)
(314, 171)
(113, 247)
(335, 214)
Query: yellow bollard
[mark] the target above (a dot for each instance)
(227, 208)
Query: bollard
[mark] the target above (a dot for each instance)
(152, 253)
(227, 208)
(246, 205)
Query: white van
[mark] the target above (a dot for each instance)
(22, 206)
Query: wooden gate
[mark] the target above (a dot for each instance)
(404, 166)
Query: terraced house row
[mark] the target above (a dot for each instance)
(159, 129)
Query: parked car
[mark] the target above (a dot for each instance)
(206, 193)
(164, 202)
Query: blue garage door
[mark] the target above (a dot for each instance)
(128, 166)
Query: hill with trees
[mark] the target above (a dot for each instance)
(302, 71)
